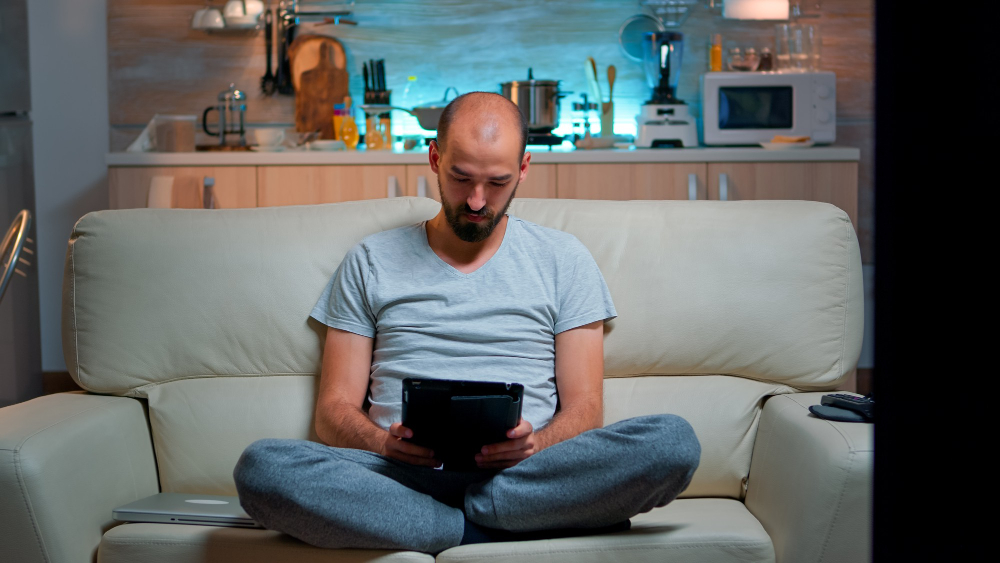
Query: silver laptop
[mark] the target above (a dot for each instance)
(180, 508)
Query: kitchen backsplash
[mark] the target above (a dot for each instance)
(158, 64)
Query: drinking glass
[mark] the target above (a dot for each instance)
(796, 47)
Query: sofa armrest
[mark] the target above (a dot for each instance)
(810, 483)
(66, 461)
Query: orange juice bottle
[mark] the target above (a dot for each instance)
(348, 128)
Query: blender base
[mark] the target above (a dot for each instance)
(666, 126)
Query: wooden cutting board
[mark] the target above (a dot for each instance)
(319, 88)
(303, 54)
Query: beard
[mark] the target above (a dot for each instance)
(469, 231)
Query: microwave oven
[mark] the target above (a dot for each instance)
(747, 108)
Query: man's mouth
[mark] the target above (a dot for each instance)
(475, 217)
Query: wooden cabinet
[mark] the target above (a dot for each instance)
(631, 181)
(235, 186)
(541, 182)
(304, 185)
(830, 182)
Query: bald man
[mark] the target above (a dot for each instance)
(473, 294)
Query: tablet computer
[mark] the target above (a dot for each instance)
(457, 418)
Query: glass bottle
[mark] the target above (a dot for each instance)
(766, 60)
(715, 54)
(348, 128)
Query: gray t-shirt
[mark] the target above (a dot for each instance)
(496, 324)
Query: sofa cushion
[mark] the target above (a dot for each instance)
(201, 426)
(768, 290)
(688, 530)
(174, 543)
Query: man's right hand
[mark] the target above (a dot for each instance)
(395, 447)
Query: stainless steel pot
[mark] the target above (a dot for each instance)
(538, 100)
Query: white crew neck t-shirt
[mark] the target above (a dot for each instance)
(497, 323)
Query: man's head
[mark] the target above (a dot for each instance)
(479, 159)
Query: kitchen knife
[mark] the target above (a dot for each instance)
(364, 72)
(381, 75)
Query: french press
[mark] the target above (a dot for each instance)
(232, 107)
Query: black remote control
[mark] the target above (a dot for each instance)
(864, 406)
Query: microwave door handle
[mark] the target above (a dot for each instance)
(692, 187)
(723, 186)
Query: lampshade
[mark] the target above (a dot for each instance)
(755, 9)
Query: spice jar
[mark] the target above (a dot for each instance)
(766, 60)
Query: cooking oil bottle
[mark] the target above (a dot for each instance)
(348, 128)
(715, 54)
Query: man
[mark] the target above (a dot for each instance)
(471, 294)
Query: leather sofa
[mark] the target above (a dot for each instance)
(189, 331)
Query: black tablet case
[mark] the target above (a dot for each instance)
(457, 418)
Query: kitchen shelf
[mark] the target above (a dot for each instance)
(295, 12)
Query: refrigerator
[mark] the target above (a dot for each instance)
(20, 321)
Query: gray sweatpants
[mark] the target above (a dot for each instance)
(344, 498)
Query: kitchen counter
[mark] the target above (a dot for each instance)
(538, 156)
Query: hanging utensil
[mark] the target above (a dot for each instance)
(268, 84)
(590, 67)
(611, 82)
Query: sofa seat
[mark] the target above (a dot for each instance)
(706, 530)
(173, 543)
(689, 530)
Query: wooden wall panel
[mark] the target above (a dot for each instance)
(156, 63)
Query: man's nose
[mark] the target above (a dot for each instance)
(477, 199)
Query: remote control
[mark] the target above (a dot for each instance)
(861, 405)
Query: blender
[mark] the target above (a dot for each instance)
(664, 121)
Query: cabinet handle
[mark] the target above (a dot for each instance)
(723, 187)
(421, 186)
(392, 190)
(692, 187)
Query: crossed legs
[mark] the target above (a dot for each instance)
(343, 498)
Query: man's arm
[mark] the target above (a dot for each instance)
(340, 420)
(580, 385)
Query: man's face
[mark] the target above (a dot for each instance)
(478, 177)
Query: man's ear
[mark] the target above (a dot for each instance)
(434, 156)
(525, 160)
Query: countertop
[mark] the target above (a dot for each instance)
(539, 155)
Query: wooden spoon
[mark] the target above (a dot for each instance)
(611, 82)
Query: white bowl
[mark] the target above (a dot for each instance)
(268, 136)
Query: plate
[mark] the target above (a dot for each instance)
(277, 148)
(326, 145)
(787, 146)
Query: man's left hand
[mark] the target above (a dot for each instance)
(522, 444)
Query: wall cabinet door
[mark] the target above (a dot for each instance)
(305, 185)
(830, 182)
(235, 186)
(541, 182)
(631, 181)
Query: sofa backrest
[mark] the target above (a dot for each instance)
(205, 314)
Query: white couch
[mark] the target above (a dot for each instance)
(189, 330)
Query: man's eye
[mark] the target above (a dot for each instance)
(461, 180)
(498, 184)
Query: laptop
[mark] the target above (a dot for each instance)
(182, 508)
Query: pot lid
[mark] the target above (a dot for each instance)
(532, 83)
